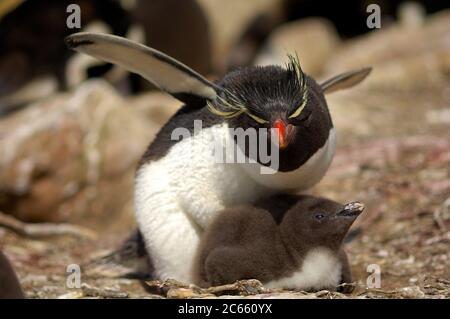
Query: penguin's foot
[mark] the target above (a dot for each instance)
(346, 288)
(130, 261)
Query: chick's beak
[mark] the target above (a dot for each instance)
(352, 209)
(284, 133)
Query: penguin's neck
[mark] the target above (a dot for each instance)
(302, 178)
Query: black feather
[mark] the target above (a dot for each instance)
(263, 90)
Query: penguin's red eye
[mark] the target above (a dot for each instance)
(319, 216)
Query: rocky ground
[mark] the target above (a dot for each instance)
(70, 158)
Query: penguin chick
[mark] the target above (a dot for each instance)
(286, 241)
(182, 183)
(9, 284)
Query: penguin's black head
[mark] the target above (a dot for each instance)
(316, 221)
(283, 99)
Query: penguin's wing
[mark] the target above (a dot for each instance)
(345, 80)
(162, 70)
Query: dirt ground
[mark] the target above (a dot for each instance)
(399, 167)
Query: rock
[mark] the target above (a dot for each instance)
(157, 106)
(111, 293)
(394, 42)
(298, 37)
(409, 89)
(411, 14)
(32, 91)
(72, 157)
(413, 292)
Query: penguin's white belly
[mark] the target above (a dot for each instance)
(321, 269)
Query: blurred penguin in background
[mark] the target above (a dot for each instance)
(179, 28)
(348, 17)
(33, 55)
(32, 36)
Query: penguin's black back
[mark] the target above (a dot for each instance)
(183, 118)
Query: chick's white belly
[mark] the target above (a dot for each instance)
(321, 269)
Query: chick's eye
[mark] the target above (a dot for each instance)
(319, 216)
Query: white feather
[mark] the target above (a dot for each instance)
(321, 269)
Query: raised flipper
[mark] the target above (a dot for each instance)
(162, 70)
(345, 80)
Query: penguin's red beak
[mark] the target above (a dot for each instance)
(284, 133)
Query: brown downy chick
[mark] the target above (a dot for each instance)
(285, 241)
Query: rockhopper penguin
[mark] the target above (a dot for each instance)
(285, 241)
(32, 38)
(180, 185)
(32, 51)
(9, 284)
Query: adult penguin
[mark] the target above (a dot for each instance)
(182, 183)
